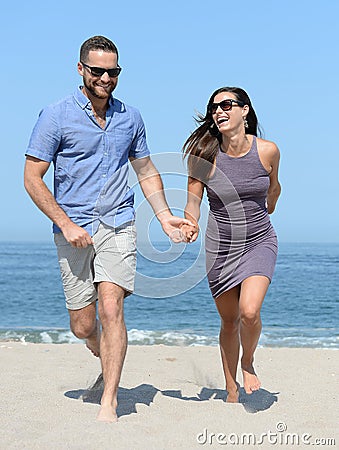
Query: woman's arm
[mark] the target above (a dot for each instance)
(275, 188)
(195, 191)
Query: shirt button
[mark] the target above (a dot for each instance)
(104, 175)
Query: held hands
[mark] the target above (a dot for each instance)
(179, 229)
(172, 227)
(190, 232)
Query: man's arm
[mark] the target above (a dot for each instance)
(153, 189)
(35, 170)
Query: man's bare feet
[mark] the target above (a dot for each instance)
(93, 342)
(251, 381)
(107, 414)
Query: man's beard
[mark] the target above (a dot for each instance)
(93, 90)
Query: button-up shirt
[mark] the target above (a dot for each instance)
(90, 163)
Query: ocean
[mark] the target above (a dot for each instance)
(172, 304)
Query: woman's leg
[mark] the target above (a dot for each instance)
(228, 308)
(252, 294)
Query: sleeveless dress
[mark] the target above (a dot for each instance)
(240, 240)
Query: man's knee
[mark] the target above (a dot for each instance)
(111, 303)
(111, 311)
(83, 330)
(83, 323)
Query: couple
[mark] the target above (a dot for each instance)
(90, 137)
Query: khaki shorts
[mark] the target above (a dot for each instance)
(112, 258)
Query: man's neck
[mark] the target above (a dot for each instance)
(98, 104)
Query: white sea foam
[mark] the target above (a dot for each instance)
(46, 338)
(269, 338)
(166, 337)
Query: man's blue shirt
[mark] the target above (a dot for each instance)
(90, 163)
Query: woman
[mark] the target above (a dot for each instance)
(240, 174)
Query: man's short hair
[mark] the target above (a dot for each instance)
(97, 43)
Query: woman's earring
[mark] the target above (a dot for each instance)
(245, 123)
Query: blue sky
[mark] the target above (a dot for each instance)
(174, 55)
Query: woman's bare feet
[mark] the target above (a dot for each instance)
(251, 381)
(232, 396)
(93, 342)
(233, 393)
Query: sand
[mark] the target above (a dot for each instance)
(169, 398)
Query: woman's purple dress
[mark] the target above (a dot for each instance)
(240, 240)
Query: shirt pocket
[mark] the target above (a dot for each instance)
(123, 138)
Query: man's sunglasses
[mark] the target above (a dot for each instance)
(99, 71)
(225, 105)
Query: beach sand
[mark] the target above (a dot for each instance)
(169, 398)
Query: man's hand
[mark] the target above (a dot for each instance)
(76, 236)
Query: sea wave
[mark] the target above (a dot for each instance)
(320, 338)
(44, 336)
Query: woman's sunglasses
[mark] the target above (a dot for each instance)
(225, 105)
(99, 71)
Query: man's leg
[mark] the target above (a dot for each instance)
(76, 267)
(84, 325)
(113, 345)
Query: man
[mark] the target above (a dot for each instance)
(90, 137)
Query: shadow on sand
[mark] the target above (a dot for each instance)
(145, 393)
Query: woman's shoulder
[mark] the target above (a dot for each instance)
(268, 148)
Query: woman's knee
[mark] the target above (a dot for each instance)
(250, 317)
(230, 324)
